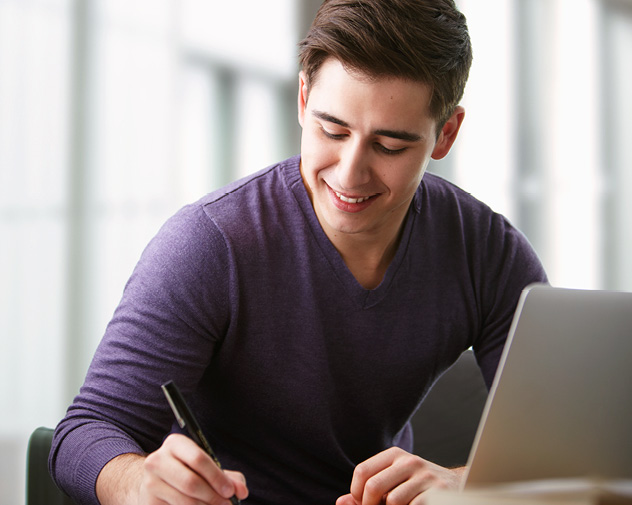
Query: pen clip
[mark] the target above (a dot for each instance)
(167, 389)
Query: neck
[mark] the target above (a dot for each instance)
(368, 258)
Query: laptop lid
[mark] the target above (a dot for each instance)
(561, 402)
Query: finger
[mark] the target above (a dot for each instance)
(368, 471)
(183, 486)
(225, 483)
(346, 499)
(192, 472)
(420, 499)
(426, 475)
(239, 481)
(155, 491)
(405, 493)
(168, 478)
(397, 475)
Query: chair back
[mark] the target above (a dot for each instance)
(445, 425)
(40, 488)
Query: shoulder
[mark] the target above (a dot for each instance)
(258, 207)
(238, 219)
(437, 193)
(442, 204)
(263, 188)
(251, 198)
(486, 236)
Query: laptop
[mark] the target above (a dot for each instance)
(561, 402)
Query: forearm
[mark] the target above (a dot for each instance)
(120, 479)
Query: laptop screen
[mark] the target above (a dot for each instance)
(561, 402)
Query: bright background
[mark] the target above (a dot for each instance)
(114, 113)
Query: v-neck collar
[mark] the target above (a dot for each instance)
(365, 298)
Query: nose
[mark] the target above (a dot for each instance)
(353, 169)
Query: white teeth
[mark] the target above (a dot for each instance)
(351, 200)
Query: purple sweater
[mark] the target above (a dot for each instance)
(296, 372)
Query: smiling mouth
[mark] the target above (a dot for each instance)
(351, 200)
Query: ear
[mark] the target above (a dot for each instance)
(448, 134)
(302, 97)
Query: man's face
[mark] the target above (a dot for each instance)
(365, 146)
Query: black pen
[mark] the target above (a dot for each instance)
(185, 419)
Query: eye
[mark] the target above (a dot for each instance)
(333, 136)
(386, 150)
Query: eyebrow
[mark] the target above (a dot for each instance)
(329, 118)
(396, 134)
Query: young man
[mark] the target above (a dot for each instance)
(306, 310)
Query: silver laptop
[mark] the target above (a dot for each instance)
(561, 402)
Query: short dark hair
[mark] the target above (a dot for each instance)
(420, 40)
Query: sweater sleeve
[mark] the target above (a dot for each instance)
(174, 311)
(511, 264)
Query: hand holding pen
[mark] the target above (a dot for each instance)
(187, 420)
